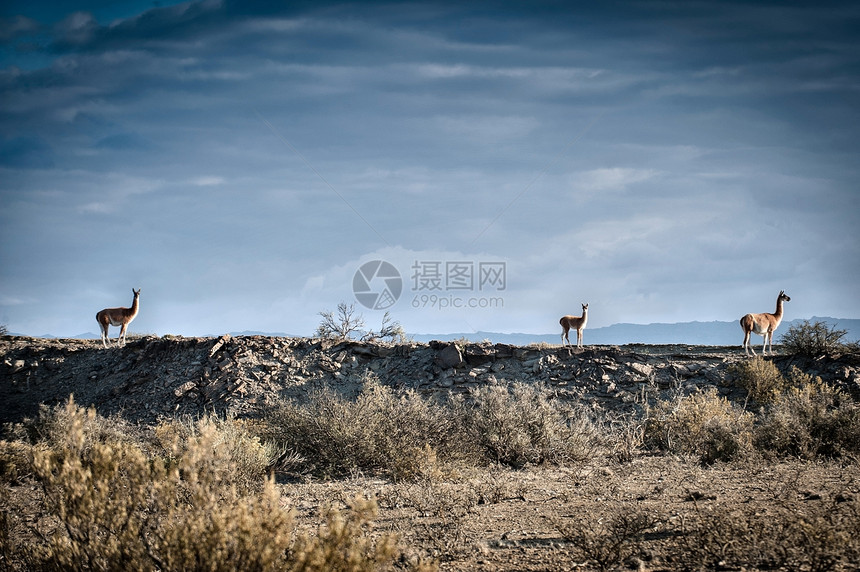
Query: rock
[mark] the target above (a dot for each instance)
(219, 344)
(450, 356)
(642, 369)
(241, 375)
(479, 354)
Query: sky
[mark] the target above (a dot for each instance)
(465, 166)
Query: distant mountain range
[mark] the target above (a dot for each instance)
(694, 333)
(92, 336)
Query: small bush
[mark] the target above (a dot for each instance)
(341, 326)
(705, 425)
(810, 537)
(16, 461)
(51, 428)
(343, 543)
(521, 424)
(608, 539)
(813, 339)
(237, 457)
(810, 419)
(120, 509)
(402, 436)
(624, 436)
(390, 329)
(760, 378)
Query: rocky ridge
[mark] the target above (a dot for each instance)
(153, 377)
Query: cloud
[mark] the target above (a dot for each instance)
(77, 28)
(722, 151)
(26, 152)
(207, 181)
(81, 31)
(15, 300)
(123, 142)
(16, 26)
(98, 208)
(486, 129)
(596, 181)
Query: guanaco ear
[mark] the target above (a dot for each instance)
(137, 292)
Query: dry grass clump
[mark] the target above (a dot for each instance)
(704, 425)
(817, 537)
(405, 436)
(401, 436)
(50, 428)
(760, 378)
(112, 506)
(810, 419)
(802, 416)
(624, 435)
(607, 539)
(236, 457)
(521, 424)
(16, 461)
(815, 339)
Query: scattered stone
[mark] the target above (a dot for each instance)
(219, 344)
(186, 376)
(699, 495)
(642, 368)
(450, 356)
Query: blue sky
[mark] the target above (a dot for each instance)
(239, 162)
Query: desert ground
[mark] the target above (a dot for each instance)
(622, 504)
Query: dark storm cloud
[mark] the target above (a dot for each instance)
(26, 153)
(16, 26)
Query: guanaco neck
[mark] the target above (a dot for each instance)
(135, 305)
(778, 313)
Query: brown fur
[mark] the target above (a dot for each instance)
(576, 323)
(764, 325)
(118, 317)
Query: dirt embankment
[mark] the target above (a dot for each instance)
(152, 377)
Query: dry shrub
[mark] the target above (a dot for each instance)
(50, 428)
(607, 539)
(119, 509)
(236, 456)
(522, 424)
(16, 461)
(815, 339)
(624, 435)
(760, 378)
(402, 436)
(816, 537)
(703, 424)
(343, 543)
(810, 419)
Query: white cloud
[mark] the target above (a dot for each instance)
(487, 129)
(610, 179)
(12, 300)
(207, 181)
(97, 208)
